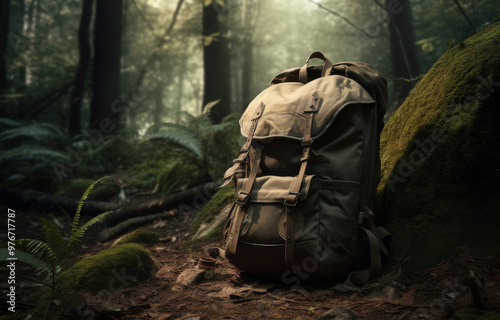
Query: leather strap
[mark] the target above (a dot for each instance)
(238, 163)
(293, 193)
(361, 277)
(327, 66)
(242, 200)
(377, 240)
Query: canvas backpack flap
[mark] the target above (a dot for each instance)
(286, 117)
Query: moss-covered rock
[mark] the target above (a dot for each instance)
(109, 270)
(141, 235)
(440, 154)
(208, 223)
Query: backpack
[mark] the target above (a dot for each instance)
(306, 176)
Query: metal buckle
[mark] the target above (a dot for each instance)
(295, 200)
(242, 200)
(306, 143)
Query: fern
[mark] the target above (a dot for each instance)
(37, 132)
(76, 219)
(52, 255)
(54, 239)
(39, 265)
(41, 251)
(79, 233)
(26, 152)
(184, 138)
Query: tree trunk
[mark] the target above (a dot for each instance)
(4, 31)
(405, 64)
(81, 71)
(106, 113)
(251, 11)
(216, 61)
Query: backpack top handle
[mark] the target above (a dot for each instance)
(327, 66)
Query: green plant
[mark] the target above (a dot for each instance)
(34, 154)
(54, 254)
(196, 143)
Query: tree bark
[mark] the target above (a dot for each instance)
(216, 62)
(81, 71)
(4, 32)
(403, 51)
(106, 79)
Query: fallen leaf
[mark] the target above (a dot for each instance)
(408, 298)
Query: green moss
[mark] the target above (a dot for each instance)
(440, 154)
(142, 235)
(211, 210)
(181, 175)
(145, 175)
(220, 200)
(109, 270)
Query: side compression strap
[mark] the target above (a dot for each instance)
(242, 200)
(238, 163)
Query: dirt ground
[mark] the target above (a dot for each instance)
(230, 294)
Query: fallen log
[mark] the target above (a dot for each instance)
(183, 201)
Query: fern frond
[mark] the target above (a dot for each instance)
(54, 239)
(165, 125)
(80, 232)
(28, 258)
(219, 126)
(184, 139)
(36, 153)
(76, 219)
(41, 251)
(37, 132)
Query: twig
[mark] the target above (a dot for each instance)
(465, 16)
(144, 18)
(341, 17)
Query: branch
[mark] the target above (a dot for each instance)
(465, 16)
(161, 42)
(144, 18)
(341, 17)
(43, 102)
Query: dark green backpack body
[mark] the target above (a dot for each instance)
(306, 176)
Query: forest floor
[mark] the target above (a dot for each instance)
(434, 294)
(230, 294)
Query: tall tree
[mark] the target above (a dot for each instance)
(4, 31)
(249, 16)
(81, 71)
(216, 59)
(403, 51)
(106, 77)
